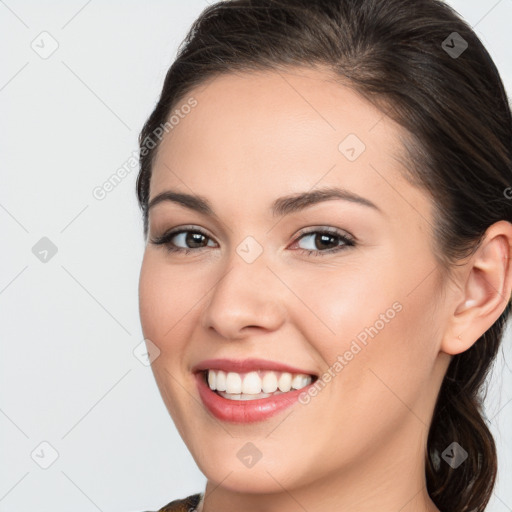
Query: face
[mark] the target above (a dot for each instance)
(344, 287)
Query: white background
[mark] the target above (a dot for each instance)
(69, 326)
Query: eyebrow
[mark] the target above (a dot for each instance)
(282, 206)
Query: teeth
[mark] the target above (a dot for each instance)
(247, 386)
(220, 380)
(269, 382)
(251, 384)
(285, 381)
(233, 383)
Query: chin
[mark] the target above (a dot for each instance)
(247, 481)
(263, 477)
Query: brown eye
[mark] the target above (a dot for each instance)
(183, 240)
(324, 241)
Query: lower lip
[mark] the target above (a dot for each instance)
(245, 411)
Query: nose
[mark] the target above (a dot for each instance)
(246, 296)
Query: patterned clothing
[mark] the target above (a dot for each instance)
(191, 503)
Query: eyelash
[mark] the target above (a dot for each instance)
(348, 241)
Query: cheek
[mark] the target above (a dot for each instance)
(167, 294)
(349, 302)
(369, 322)
(153, 301)
(165, 301)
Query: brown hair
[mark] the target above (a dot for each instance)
(410, 59)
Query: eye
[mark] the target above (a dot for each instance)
(328, 237)
(192, 239)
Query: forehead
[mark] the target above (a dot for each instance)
(266, 133)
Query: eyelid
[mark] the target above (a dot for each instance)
(328, 229)
(179, 229)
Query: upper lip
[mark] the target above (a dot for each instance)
(246, 365)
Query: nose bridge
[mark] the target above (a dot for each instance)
(247, 294)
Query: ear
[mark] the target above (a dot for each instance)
(486, 283)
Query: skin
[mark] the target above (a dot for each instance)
(359, 444)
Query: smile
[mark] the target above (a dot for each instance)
(244, 407)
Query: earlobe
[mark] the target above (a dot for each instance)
(486, 281)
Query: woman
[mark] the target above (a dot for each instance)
(325, 194)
